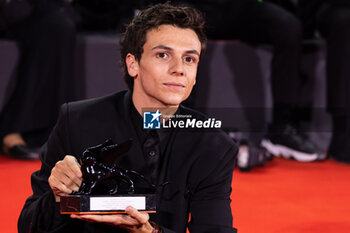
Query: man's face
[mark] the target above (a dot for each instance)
(166, 72)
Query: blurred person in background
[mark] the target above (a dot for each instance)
(331, 20)
(45, 37)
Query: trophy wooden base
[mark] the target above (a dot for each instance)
(111, 204)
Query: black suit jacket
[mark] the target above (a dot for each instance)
(199, 170)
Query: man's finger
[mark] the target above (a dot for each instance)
(134, 213)
(58, 187)
(73, 178)
(73, 164)
(68, 171)
(61, 176)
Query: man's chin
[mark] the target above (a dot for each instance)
(173, 101)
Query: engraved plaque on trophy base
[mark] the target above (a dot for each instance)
(107, 204)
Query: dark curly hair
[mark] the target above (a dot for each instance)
(134, 37)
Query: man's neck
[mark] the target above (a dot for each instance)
(142, 105)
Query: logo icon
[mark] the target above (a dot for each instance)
(151, 120)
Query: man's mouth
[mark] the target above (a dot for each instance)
(174, 85)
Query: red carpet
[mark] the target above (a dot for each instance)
(283, 197)
(292, 197)
(14, 189)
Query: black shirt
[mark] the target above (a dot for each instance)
(154, 144)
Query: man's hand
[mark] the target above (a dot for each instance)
(65, 177)
(133, 221)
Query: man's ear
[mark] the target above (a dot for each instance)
(132, 65)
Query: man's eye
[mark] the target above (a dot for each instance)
(189, 59)
(162, 55)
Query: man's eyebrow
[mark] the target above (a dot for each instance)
(162, 47)
(171, 49)
(195, 52)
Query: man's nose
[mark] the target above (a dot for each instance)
(177, 66)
